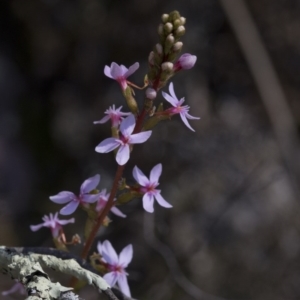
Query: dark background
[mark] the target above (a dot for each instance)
(234, 227)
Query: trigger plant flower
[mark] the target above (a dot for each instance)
(102, 202)
(53, 223)
(186, 61)
(85, 196)
(126, 139)
(148, 188)
(120, 73)
(116, 265)
(114, 114)
(177, 108)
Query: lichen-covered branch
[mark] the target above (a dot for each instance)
(27, 268)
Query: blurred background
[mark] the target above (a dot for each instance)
(233, 231)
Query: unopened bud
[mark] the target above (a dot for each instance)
(130, 100)
(159, 49)
(183, 20)
(165, 18)
(151, 93)
(167, 66)
(160, 29)
(186, 61)
(168, 27)
(180, 31)
(151, 58)
(169, 43)
(177, 46)
(174, 15)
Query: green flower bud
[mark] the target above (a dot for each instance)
(168, 27)
(165, 18)
(180, 31)
(167, 66)
(130, 100)
(169, 43)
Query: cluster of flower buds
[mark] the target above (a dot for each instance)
(162, 64)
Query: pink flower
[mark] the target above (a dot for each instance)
(177, 107)
(114, 114)
(126, 139)
(186, 61)
(120, 73)
(148, 187)
(116, 264)
(53, 223)
(84, 197)
(102, 202)
(16, 288)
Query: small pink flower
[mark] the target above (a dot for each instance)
(177, 108)
(116, 264)
(102, 202)
(16, 288)
(120, 73)
(148, 187)
(186, 61)
(126, 139)
(53, 223)
(116, 116)
(84, 197)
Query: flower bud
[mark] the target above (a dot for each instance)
(177, 46)
(183, 20)
(165, 18)
(180, 31)
(160, 29)
(151, 58)
(168, 27)
(167, 66)
(151, 93)
(159, 49)
(186, 61)
(169, 43)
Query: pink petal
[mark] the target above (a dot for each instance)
(155, 173)
(132, 69)
(191, 117)
(88, 198)
(139, 176)
(161, 201)
(148, 201)
(122, 156)
(99, 248)
(103, 120)
(90, 184)
(125, 256)
(185, 121)
(69, 208)
(109, 253)
(117, 212)
(64, 222)
(171, 91)
(127, 125)
(111, 278)
(172, 101)
(63, 197)
(107, 71)
(139, 138)
(123, 285)
(108, 145)
(116, 71)
(36, 227)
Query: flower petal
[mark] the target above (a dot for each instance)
(171, 91)
(99, 248)
(132, 69)
(117, 212)
(140, 177)
(116, 71)
(109, 253)
(155, 174)
(125, 256)
(69, 208)
(107, 71)
(171, 100)
(90, 198)
(161, 201)
(90, 184)
(108, 145)
(127, 125)
(185, 121)
(111, 278)
(63, 197)
(103, 120)
(123, 285)
(64, 222)
(122, 156)
(141, 137)
(36, 227)
(148, 201)
(191, 117)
